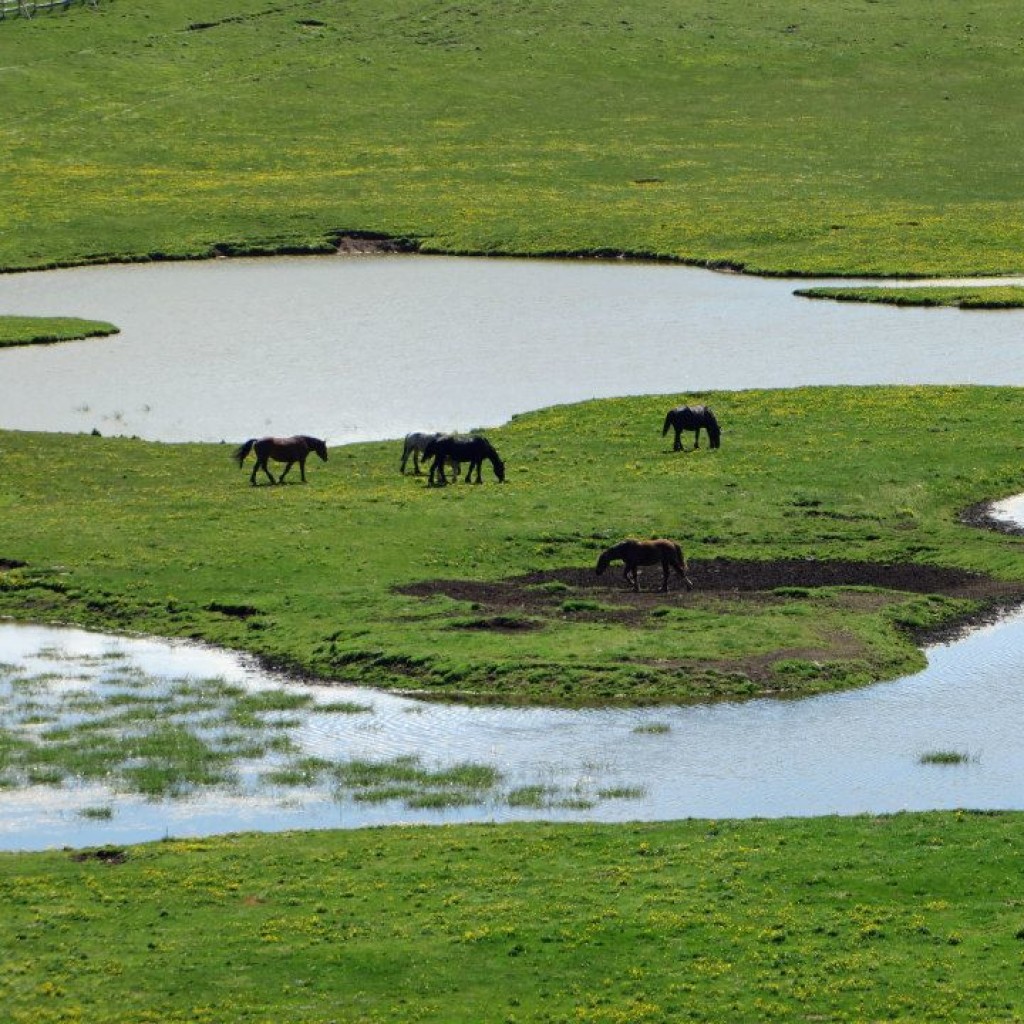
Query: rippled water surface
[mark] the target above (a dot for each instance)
(846, 753)
(358, 348)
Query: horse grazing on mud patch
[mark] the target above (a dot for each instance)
(692, 417)
(635, 553)
(281, 449)
(462, 449)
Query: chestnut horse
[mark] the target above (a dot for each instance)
(687, 417)
(462, 449)
(281, 449)
(634, 553)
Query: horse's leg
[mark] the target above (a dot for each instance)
(678, 445)
(287, 466)
(696, 439)
(629, 573)
(664, 574)
(302, 468)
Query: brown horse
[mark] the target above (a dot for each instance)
(634, 553)
(281, 449)
(692, 417)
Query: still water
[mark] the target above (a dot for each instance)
(846, 753)
(371, 347)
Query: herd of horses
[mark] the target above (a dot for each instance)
(444, 451)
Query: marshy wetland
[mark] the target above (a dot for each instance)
(442, 762)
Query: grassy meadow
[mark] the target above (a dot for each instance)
(903, 918)
(864, 138)
(486, 592)
(851, 139)
(44, 330)
(986, 297)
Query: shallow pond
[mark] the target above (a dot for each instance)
(863, 751)
(370, 347)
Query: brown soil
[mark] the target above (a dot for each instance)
(721, 576)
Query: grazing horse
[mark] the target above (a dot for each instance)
(686, 417)
(462, 449)
(634, 553)
(415, 445)
(280, 449)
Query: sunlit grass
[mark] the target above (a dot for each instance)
(122, 535)
(847, 140)
(41, 330)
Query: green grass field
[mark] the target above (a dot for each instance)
(43, 330)
(833, 138)
(987, 297)
(865, 138)
(487, 592)
(903, 918)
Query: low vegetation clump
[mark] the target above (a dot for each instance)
(945, 757)
(986, 297)
(833, 531)
(44, 330)
(913, 917)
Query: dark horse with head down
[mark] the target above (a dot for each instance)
(692, 417)
(281, 449)
(461, 449)
(635, 553)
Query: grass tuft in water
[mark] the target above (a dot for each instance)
(945, 757)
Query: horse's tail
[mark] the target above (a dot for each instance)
(243, 450)
(711, 426)
(668, 422)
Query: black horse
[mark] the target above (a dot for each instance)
(415, 445)
(461, 449)
(692, 417)
(281, 449)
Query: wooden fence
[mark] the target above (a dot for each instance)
(30, 8)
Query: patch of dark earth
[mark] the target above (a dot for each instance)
(537, 592)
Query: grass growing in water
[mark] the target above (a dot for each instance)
(995, 297)
(945, 757)
(43, 330)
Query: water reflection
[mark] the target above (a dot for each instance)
(846, 753)
(361, 348)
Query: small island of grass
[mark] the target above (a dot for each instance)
(45, 330)
(978, 297)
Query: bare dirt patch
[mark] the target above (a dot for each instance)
(722, 576)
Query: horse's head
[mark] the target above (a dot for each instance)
(499, 469)
(603, 561)
(714, 431)
(430, 448)
(320, 447)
